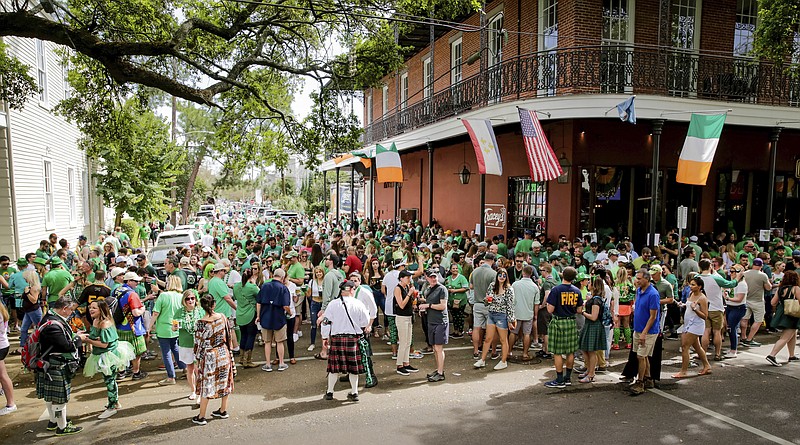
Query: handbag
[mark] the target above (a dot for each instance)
(791, 307)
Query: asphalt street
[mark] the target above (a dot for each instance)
(744, 400)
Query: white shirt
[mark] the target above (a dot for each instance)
(340, 323)
(364, 295)
(207, 240)
(292, 293)
(390, 280)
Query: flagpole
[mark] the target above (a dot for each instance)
(615, 106)
(658, 125)
(371, 195)
(482, 235)
(773, 158)
(663, 113)
(352, 194)
(338, 197)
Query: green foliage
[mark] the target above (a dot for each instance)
(327, 130)
(778, 21)
(131, 227)
(289, 202)
(16, 85)
(137, 161)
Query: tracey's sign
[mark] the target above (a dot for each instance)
(495, 216)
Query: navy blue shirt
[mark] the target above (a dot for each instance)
(272, 297)
(566, 298)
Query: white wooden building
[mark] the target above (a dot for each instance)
(45, 178)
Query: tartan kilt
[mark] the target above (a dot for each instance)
(55, 389)
(139, 346)
(593, 336)
(345, 356)
(562, 336)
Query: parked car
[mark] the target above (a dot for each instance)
(157, 256)
(183, 237)
(207, 210)
(287, 214)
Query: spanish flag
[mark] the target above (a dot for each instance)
(699, 148)
(387, 164)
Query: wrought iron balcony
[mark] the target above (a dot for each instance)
(601, 70)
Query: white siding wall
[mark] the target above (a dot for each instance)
(38, 135)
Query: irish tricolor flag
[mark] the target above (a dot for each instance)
(699, 148)
(387, 164)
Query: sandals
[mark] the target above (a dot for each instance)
(526, 358)
(319, 357)
(704, 372)
(293, 361)
(679, 376)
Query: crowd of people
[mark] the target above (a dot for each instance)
(249, 283)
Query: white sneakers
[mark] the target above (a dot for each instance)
(311, 348)
(107, 413)
(500, 365)
(8, 410)
(295, 337)
(479, 364)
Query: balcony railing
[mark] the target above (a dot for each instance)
(601, 70)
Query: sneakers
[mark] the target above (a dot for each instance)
(68, 430)
(417, 355)
(436, 377)
(544, 355)
(753, 343)
(299, 334)
(107, 413)
(427, 351)
(328, 396)
(791, 359)
(772, 361)
(352, 397)
(283, 367)
(500, 365)
(431, 374)
(266, 368)
(410, 368)
(402, 371)
(476, 356)
(122, 375)
(495, 355)
(311, 348)
(167, 382)
(220, 414)
(197, 420)
(649, 383)
(580, 369)
(567, 382)
(479, 364)
(555, 384)
(137, 375)
(10, 409)
(295, 338)
(637, 388)
(601, 370)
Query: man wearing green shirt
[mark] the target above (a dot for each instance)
(222, 297)
(172, 266)
(537, 256)
(272, 249)
(55, 280)
(144, 236)
(296, 272)
(524, 245)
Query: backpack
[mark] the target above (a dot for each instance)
(33, 358)
(606, 317)
(117, 309)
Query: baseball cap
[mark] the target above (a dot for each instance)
(219, 266)
(141, 257)
(536, 244)
(207, 249)
(693, 238)
(399, 262)
(431, 273)
(554, 256)
(117, 271)
(404, 273)
(758, 262)
(613, 252)
(796, 252)
(655, 269)
(121, 259)
(347, 284)
(423, 246)
(581, 276)
(291, 254)
(483, 244)
(131, 276)
(82, 238)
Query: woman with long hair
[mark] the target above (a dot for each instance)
(109, 354)
(31, 305)
(500, 299)
(404, 296)
(215, 364)
(314, 292)
(317, 256)
(166, 306)
(244, 292)
(5, 380)
(624, 294)
(736, 308)
(593, 334)
(788, 289)
(694, 326)
(187, 318)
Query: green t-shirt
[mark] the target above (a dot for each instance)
(182, 275)
(54, 281)
(124, 237)
(144, 232)
(274, 252)
(167, 305)
(261, 230)
(296, 271)
(245, 296)
(6, 274)
(459, 282)
(219, 290)
(523, 245)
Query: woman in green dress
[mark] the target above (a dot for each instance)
(457, 286)
(109, 355)
(245, 293)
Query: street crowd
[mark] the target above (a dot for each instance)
(93, 308)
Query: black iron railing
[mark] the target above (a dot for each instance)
(601, 70)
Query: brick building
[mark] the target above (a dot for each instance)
(575, 60)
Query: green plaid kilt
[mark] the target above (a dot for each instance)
(139, 346)
(593, 336)
(562, 336)
(54, 386)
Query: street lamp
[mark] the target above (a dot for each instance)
(565, 167)
(464, 175)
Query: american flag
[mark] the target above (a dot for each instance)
(541, 159)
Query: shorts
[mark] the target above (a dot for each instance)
(649, 344)
(542, 320)
(186, 355)
(714, 320)
(526, 326)
(498, 319)
(479, 315)
(270, 336)
(757, 310)
(4, 353)
(437, 333)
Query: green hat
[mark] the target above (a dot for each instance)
(291, 254)
(554, 256)
(56, 261)
(40, 261)
(22, 262)
(581, 276)
(241, 254)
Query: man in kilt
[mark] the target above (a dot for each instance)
(564, 302)
(342, 327)
(61, 356)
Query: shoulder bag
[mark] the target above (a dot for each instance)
(791, 306)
